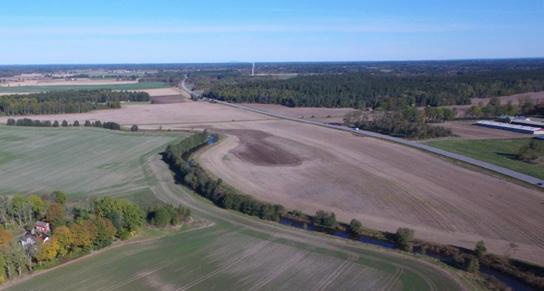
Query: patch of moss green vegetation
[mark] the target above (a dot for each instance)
(499, 152)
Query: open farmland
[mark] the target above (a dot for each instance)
(328, 115)
(238, 252)
(499, 152)
(67, 87)
(385, 185)
(79, 161)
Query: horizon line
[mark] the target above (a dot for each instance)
(280, 62)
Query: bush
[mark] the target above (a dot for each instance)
(134, 127)
(533, 152)
(473, 265)
(403, 238)
(355, 226)
(76, 123)
(480, 249)
(326, 219)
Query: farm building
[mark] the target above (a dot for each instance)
(527, 122)
(511, 127)
(42, 227)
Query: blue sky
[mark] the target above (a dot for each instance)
(53, 31)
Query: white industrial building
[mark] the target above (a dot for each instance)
(511, 127)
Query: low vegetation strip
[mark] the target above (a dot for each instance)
(58, 88)
(504, 153)
(195, 177)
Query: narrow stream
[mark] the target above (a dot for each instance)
(513, 283)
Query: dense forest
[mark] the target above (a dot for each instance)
(76, 101)
(373, 90)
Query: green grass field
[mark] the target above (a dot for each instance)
(499, 152)
(236, 252)
(79, 161)
(31, 89)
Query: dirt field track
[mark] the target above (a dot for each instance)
(385, 185)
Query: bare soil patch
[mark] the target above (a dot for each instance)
(330, 115)
(168, 99)
(262, 149)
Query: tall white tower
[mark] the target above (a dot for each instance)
(253, 70)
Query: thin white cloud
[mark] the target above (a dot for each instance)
(119, 30)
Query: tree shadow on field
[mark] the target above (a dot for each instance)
(509, 156)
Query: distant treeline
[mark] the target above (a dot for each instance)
(494, 108)
(75, 101)
(64, 123)
(363, 90)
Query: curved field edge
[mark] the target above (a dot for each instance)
(241, 252)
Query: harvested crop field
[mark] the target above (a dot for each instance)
(467, 130)
(329, 115)
(209, 258)
(79, 161)
(167, 95)
(384, 185)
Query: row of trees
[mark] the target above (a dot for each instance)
(363, 90)
(409, 122)
(196, 178)
(75, 101)
(75, 230)
(47, 123)
(495, 108)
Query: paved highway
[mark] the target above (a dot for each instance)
(488, 166)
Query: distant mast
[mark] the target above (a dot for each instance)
(253, 70)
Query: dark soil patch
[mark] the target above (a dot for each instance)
(262, 149)
(168, 99)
